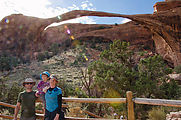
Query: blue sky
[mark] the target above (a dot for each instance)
(51, 8)
(124, 7)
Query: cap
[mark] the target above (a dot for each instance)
(45, 73)
(53, 76)
(29, 80)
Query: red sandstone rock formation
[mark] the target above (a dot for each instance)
(25, 36)
(163, 6)
(164, 26)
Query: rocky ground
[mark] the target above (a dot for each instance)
(61, 65)
(174, 116)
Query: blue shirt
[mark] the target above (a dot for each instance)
(51, 98)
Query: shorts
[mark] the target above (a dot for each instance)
(51, 115)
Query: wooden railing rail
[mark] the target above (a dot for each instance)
(13, 106)
(129, 100)
(161, 102)
(91, 114)
(6, 116)
(7, 105)
(95, 100)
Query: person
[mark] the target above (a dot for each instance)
(26, 100)
(43, 85)
(53, 98)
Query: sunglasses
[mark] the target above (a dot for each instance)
(28, 83)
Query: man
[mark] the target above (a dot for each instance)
(26, 100)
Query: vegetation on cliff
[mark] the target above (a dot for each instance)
(114, 73)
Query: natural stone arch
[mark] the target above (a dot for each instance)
(171, 0)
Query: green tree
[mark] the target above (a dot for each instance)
(9, 93)
(114, 73)
(7, 62)
(117, 71)
(152, 77)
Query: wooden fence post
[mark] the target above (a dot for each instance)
(130, 106)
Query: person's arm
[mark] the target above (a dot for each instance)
(16, 111)
(39, 87)
(37, 95)
(59, 103)
(59, 107)
(17, 108)
(57, 117)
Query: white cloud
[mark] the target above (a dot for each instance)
(87, 5)
(84, 6)
(42, 9)
(90, 4)
(73, 7)
(35, 8)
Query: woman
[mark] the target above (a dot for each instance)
(53, 98)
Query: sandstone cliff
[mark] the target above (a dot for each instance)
(24, 36)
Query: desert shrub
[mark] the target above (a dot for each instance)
(75, 63)
(93, 45)
(177, 69)
(43, 56)
(7, 62)
(76, 110)
(81, 58)
(101, 27)
(54, 48)
(157, 114)
(70, 90)
(9, 93)
(12, 93)
(99, 48)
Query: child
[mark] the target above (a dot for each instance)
(43, 85)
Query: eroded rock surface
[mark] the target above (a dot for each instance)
(24, 36)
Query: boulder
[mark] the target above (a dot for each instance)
(175, 76)
(174, 116)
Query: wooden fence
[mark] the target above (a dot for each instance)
(129, 100)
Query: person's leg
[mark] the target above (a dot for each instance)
(53, 114)
(47, 115)
(31, 118)
(50, 115)
(46, 119)
(62, 116)
(42, 97)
